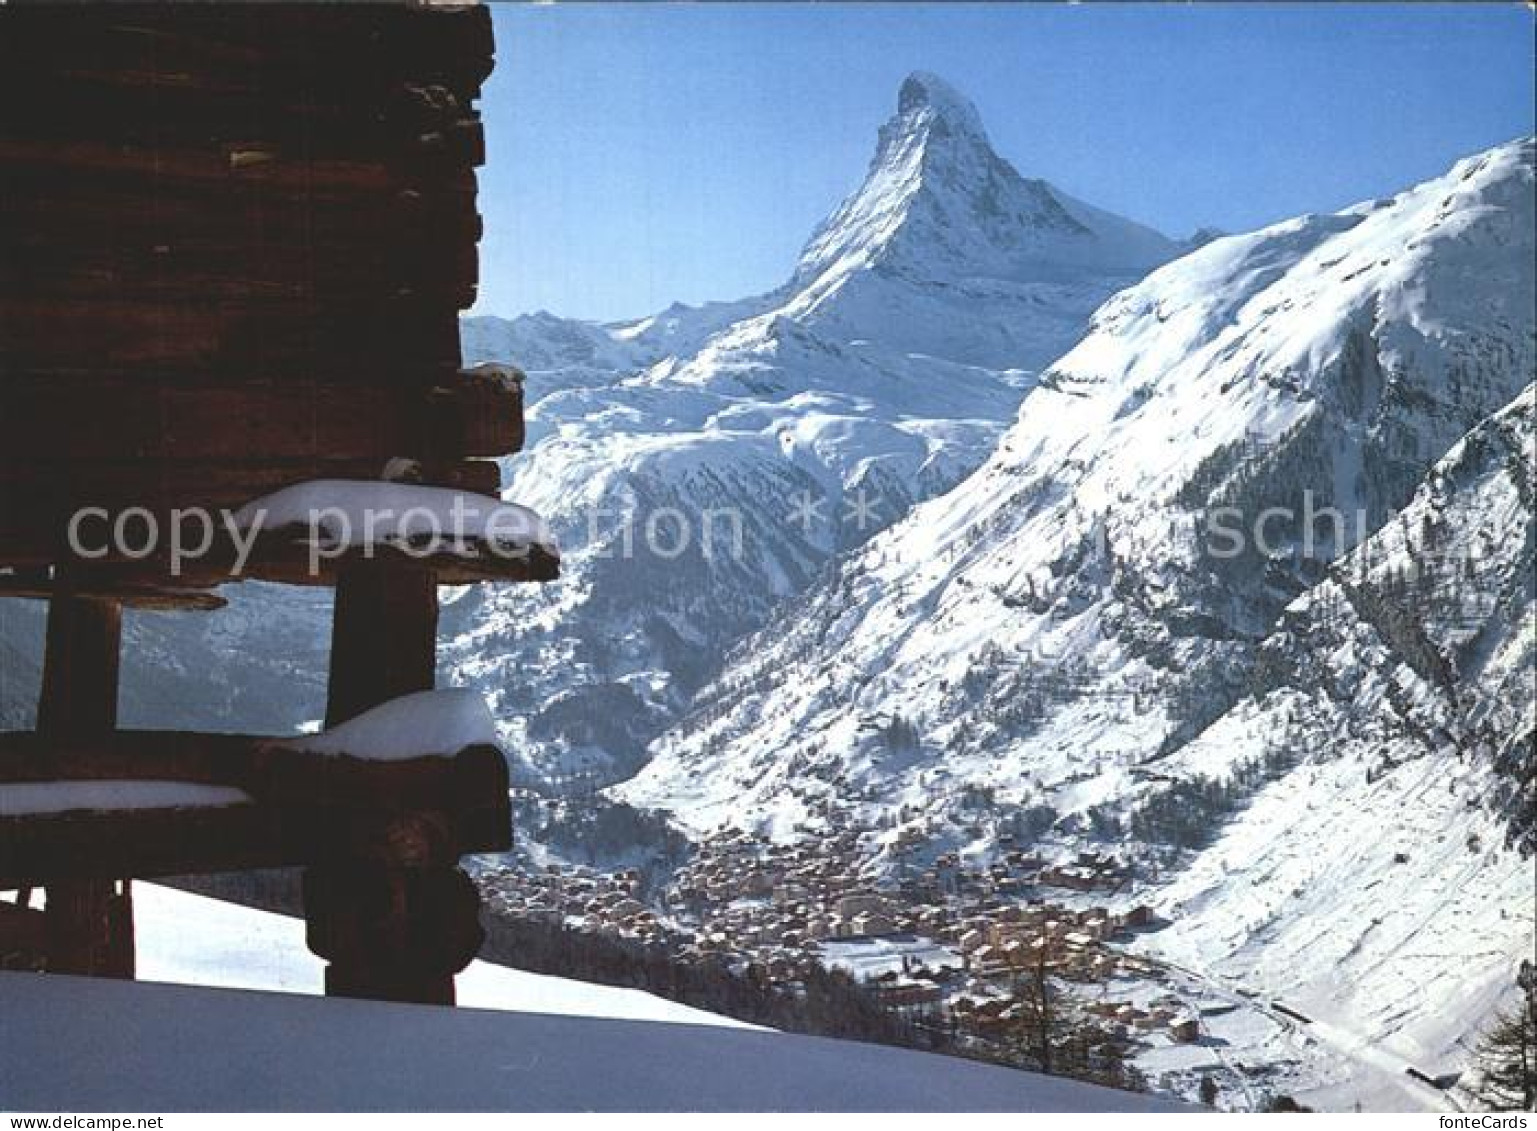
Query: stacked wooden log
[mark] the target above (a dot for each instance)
(234, 241)
(429, 809)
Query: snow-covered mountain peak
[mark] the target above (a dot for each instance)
(1279, 307)
(926, 95)
(938, 204)
(944, 252)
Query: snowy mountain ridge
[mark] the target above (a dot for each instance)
(880, 374)
(1324, 362)
(1187, 612)
(1403, 683)
(939, 204)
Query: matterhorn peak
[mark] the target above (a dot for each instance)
(939, 204)
(925, 93)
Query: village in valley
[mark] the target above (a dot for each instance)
(1014, 958)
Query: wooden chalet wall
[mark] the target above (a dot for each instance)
(234, 242)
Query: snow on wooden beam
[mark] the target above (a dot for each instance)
(121, 447)
(305, 807)
(240, 239)
(270, 770)
(304, 534)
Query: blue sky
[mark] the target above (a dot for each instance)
(639, 155)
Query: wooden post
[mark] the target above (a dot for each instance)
(89, 924)
(122, 955)
(391, 911)
(384, 635)
(79, 697)
(390, 932)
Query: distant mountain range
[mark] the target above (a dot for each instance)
(1320, 734)
(879, 375)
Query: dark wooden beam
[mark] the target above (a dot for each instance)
(341, 52)
(292, 339)
(196, 274)
(383, 636)
(100, 848)
(421, 812)
(221, 164)
(119, 218)
(271, 770)
(41, 585)
(63, 848)
(85, 932)
(23, 936)
(391, 933)
(275, 558)
(44, 421)
(80, 668)
(410, 121)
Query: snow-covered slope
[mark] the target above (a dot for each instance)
(519, 1041)
(702, 465)
(104, 1045)
(1403, 686)
(196, 941)
(1089, 634)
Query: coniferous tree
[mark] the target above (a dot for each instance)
(1507, 1055)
